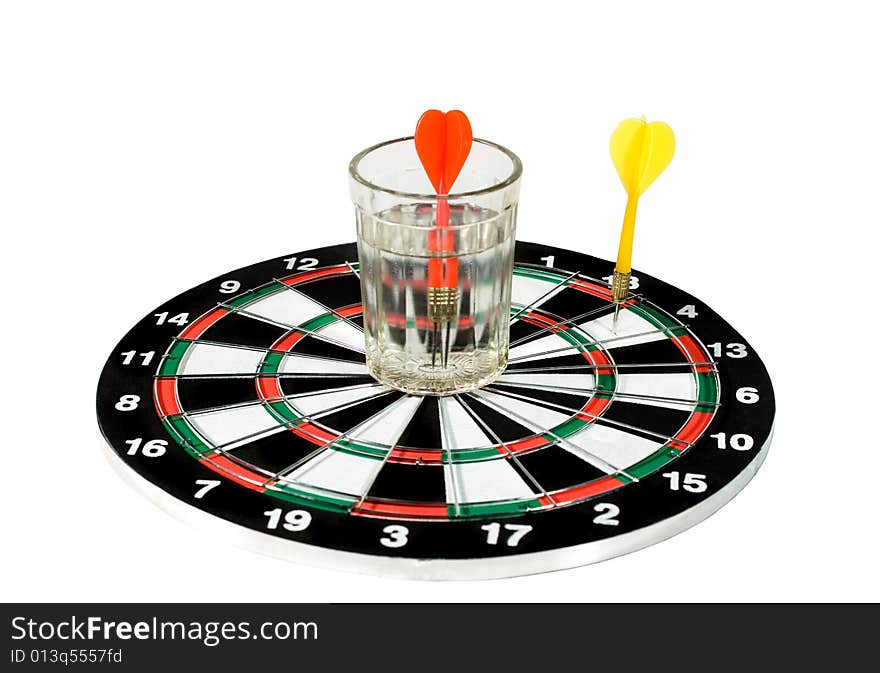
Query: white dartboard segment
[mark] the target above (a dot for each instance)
(303, 364)
(203, 359)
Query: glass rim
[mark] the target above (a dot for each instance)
(515, 174)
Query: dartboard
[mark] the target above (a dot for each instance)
(245, 405)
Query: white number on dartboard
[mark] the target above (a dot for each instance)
(633, 281)
(151, 449)
(305, 264)
(206, 485)
(550, 260)
(179, 319)
(129, 356)
(607, 514)
(229, 286)
(128, 403)
(695, 483)
(747, 395)
(517, 532)
(688, 310)
(738, 442)
(396, 536)
(733, 350)
(295, 520)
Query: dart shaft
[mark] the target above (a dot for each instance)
(442, 280)
(624, 251)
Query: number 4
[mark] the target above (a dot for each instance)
(689, 310)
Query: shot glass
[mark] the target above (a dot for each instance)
(435, 270)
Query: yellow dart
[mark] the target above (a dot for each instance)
(640, 151)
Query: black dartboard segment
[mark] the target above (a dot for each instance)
(246, 400)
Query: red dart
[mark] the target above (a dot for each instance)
(443, 143)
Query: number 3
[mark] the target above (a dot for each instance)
(397, 536)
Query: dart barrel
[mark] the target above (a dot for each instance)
(620, 286)
(442, 304)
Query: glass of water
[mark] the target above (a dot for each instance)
(435, 270)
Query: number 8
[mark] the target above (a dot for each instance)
(127, 403)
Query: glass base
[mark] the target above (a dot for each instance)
(422, 376)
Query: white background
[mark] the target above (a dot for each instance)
(146, 147)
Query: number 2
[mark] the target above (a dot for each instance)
(607, 514)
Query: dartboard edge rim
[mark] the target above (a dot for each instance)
(443, 568)
(471, 569)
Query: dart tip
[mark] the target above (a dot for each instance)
(614, 320)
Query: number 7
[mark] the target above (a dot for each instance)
(206, 485)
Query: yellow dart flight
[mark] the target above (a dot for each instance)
(640, 151)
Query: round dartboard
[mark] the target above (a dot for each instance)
(245, 405)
